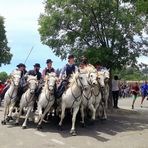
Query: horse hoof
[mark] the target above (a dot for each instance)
(9, 118)
(92, 122)
(73, 133)
(60, 128)
(17, 124)
(24, 127)
(83, 125)
(3, 122)
(39, 127)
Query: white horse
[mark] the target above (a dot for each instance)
(72, 96)
(104, 93)
(27, 99)
(11, 95)
(46, 98)
(87, 95)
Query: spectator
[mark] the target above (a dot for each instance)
(115, 91)
(135, 91)
(144, 90)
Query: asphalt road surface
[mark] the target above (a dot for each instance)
(125, 128)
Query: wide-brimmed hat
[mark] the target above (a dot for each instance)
(37, 65)
(49, 61)
(21, 65)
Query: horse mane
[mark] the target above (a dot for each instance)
(73, 78)
(16, 72)
(75, 75)
(88, 69)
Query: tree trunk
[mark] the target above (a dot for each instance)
(110, 100)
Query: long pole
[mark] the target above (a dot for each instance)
(28, 55)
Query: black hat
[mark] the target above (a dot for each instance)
(37, 65)
(71, 56)
(21, 65)
(49, 61)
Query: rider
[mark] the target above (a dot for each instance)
(99, 67)
(36, 72)
(65, 74)
(48, 69)
(21, 67)
(84, 63)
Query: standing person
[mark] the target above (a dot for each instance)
(65, 74)
(144, 90)
(48, 69)
(115, 91)
(135, 92)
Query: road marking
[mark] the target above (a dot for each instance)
(40, 134)
(57, 141)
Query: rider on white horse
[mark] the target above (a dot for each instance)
(65, 74)
(36, 72)
(48, 69)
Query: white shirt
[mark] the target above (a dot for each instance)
(115, 85)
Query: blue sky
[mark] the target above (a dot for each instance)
(21, 25)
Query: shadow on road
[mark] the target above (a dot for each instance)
(118, 121)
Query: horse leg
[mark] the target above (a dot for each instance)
(10, 112)
(19, 114)
(27, 116)
(5, 114)
(92, 108)
(62, 115)
(104, 112)
(82, 115)
(42, 117)
(75, 111)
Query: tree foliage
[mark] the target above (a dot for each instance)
(3, 76)
(108, 30)
(5, 55)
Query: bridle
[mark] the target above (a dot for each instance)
(82, 88)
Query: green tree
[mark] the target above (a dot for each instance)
(3, 76)
(5, 55)
(107, 30)
(110, 29)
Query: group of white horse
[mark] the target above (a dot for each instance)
(86, 89)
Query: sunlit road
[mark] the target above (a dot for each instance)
(124, 128)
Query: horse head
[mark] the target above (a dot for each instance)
(92, 78)
(101, 79)
(51, 80)
(82, 79)
(32, 83)
(15, 77)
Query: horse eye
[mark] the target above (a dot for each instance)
(81, 78)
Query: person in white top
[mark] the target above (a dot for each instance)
(115, 91)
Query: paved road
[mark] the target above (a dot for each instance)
(125, 128)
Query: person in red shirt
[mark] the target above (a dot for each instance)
(135, 92)
(2, 86)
